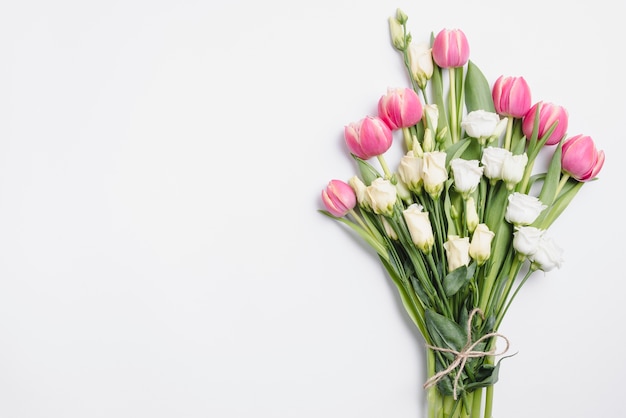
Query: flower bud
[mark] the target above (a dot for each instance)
(410, 171)
(359, 189)
(580, 158)
(381, 196)
(421, 63)
(400, 108)
(467, 175)
(457, 252)
(450, 48)
(428, 143)
(420, 228)
(397, 34)
(471, 215)
(403, 191)
(431, 117)
(389, 230)
(401, 16)
(339, 198)
(480, 247)
(523, 209)
(511, 96)
(549, 113)
(369, 137)
(434, 173)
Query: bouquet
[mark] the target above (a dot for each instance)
(462, 221)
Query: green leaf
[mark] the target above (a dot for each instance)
(436, 88)
(368, 172)
(457, 279)
(559, 205)
(444, 332)
(551, 181)
(477, 90)
(456, 150)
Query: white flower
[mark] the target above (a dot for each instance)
(403, 191)
(492, 160)
(434, 172)
(480, 247)
(547, 256)
(513, 169)
(381, 196)
(480, 124)
(457, 251)
(419, 227)
(410, 171)
(467, 175)
(523, 209)
(421, 62)
(359, 189)
(526, 239)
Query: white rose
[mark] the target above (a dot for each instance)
(547, 256)
(523, 209)
(419, 227)
(480, 247)
(480, 124)
(492, 161)
(467, 175)
(457, 252)
(526, 239)
(410, 171)
(513, 169)
(434, 172)
(381, 196)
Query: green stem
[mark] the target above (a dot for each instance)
(488, 394)
(477, 403)
(385, 167)
(561, 184)
(453, 109)
(509, 134)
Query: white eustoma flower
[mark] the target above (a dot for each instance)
(434, 173)
(467, 175)
(480, 124)
(381, 196)
(526, 239)
(513, 169)
(419, 226)
(359, 189)
(457, 251)
(480, 246)
(410, 171)
(421, 62)
(548, 255)
(492, 160)
(523, 209)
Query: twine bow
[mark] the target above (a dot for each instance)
(466, 353)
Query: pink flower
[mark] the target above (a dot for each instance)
(400, 108)
(450, 48)
(580, 158)
(339, 198)
(369, 137)
(511, 96)
(548, 114)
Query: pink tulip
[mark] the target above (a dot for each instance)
(511, 96)
(400, 108)
(450, 48)
(369, 137)
(580, 158)
(548, 114)
(339, 198)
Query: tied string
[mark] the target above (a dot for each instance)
(466, 353)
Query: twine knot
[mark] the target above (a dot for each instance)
(466, 353)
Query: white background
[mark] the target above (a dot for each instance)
(161, 253)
